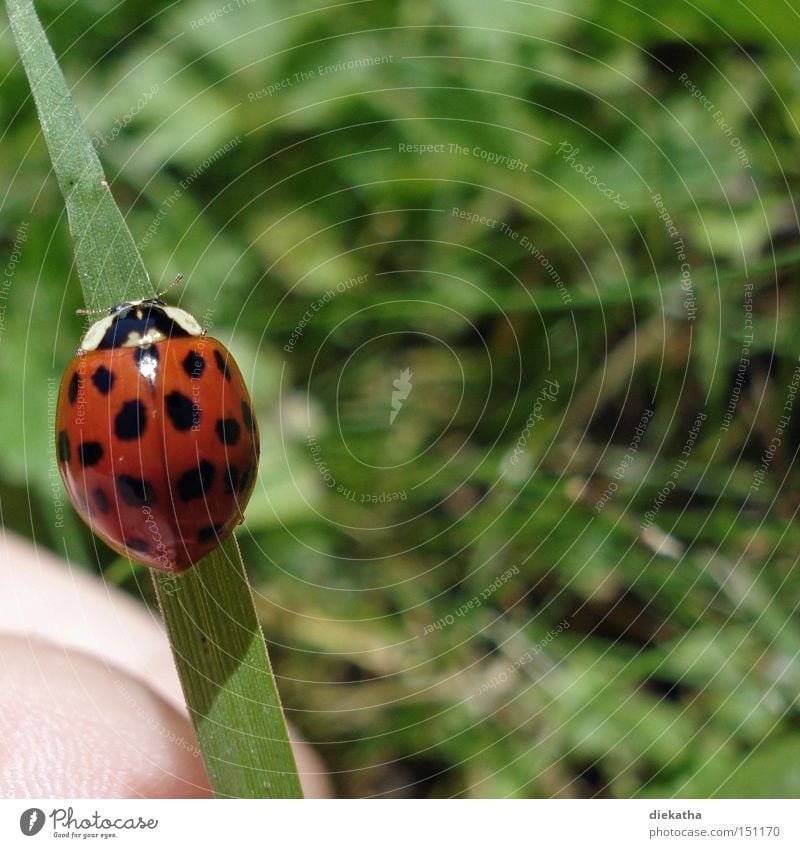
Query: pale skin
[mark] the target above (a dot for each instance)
(90, 704)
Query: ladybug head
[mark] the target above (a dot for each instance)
(154, 301)
(139, 323)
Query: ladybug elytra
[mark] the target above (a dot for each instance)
(155, 436)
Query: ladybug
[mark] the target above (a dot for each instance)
(155, 435)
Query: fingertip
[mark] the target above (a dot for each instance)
(76, 727)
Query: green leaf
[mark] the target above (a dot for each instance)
(216, 641)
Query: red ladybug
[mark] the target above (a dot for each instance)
(155, 435)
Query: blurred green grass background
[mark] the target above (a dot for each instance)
(467, 600)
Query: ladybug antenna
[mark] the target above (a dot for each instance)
(176, 282)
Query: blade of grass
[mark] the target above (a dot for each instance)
(211, 621)
(227, 678)
(109, 265)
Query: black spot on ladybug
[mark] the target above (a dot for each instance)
(206, 534)
(228, 431)
(182, 412)
(194, 365)
(137, 545)
(103, 380)
(100, 500)
(222, 364)
(195, 482)
(232, 479)
(247, 414)
(72, 391)
(135, 491)
(130, 421)
(246, 479)
(64, 452)
(89, 453)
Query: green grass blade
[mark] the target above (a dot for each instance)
(109, 265)
(228, 682)
(216, 640)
